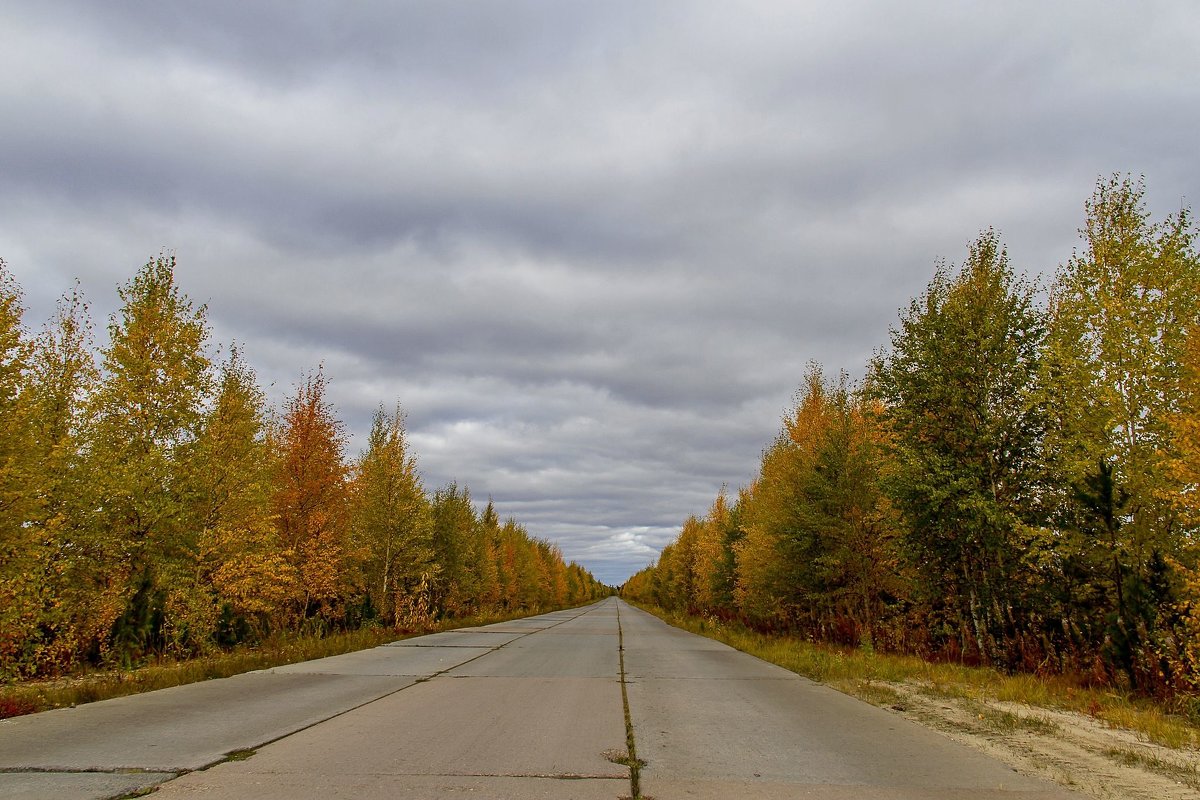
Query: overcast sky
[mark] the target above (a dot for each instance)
(588, 246)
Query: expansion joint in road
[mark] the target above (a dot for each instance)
(635, 765)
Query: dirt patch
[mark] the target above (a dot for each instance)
(1074, 750)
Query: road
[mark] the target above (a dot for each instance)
(532, 708)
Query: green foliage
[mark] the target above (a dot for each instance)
(1014, 485)
(1116, 357)
(960, 389)
(153, 506)
(456, 542)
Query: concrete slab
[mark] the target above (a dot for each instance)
(387, 660)
(453, 735)
(462, 726)
(461, 638)
(516, 630)
(713, 663)
(714, 723)
(698, 730)
(84, 785)
(214, 786)
(186, 727)
(586, 626)
(526, 625)
(547, 655)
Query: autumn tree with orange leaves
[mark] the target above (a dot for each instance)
(312, 501)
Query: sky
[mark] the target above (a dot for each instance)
(588, 247)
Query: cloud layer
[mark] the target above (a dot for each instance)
(589, 247)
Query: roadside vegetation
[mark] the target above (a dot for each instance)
(30, 696)
(1099, 742)
(1015, 485)
(876, 677)
(154, 508)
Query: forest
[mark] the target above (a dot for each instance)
(1015, 482)
(152, 503)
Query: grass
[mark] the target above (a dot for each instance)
(28, 697)
(864, 673)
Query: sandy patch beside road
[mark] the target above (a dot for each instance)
(1072, 749)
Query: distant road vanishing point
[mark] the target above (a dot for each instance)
(542, 707)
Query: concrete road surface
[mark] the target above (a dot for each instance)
(526, 709)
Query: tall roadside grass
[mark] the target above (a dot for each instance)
(865, 673)
(28, 697)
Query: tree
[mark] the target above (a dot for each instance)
(961, 406)
(713, 558)
(1185, 470)
(1119, 315)
(63, 375)
(311, 500)
(22, 551)
(391, 523)
(859, 563)
(456, 546)
(779, 559)
(1185, 426)
(819, 548)
(149, 411)
(242, 558)
(486, 558)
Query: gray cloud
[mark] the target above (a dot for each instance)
(589, 247)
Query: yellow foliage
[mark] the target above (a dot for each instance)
(760, 574)
(1186, 429)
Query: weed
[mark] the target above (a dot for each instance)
(876, 694)
(11, 706)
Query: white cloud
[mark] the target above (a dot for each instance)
(589, 247)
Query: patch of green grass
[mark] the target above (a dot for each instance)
(851, 669)
(239, 755)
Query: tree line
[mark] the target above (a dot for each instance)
(1015, 482)
(153, 503)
